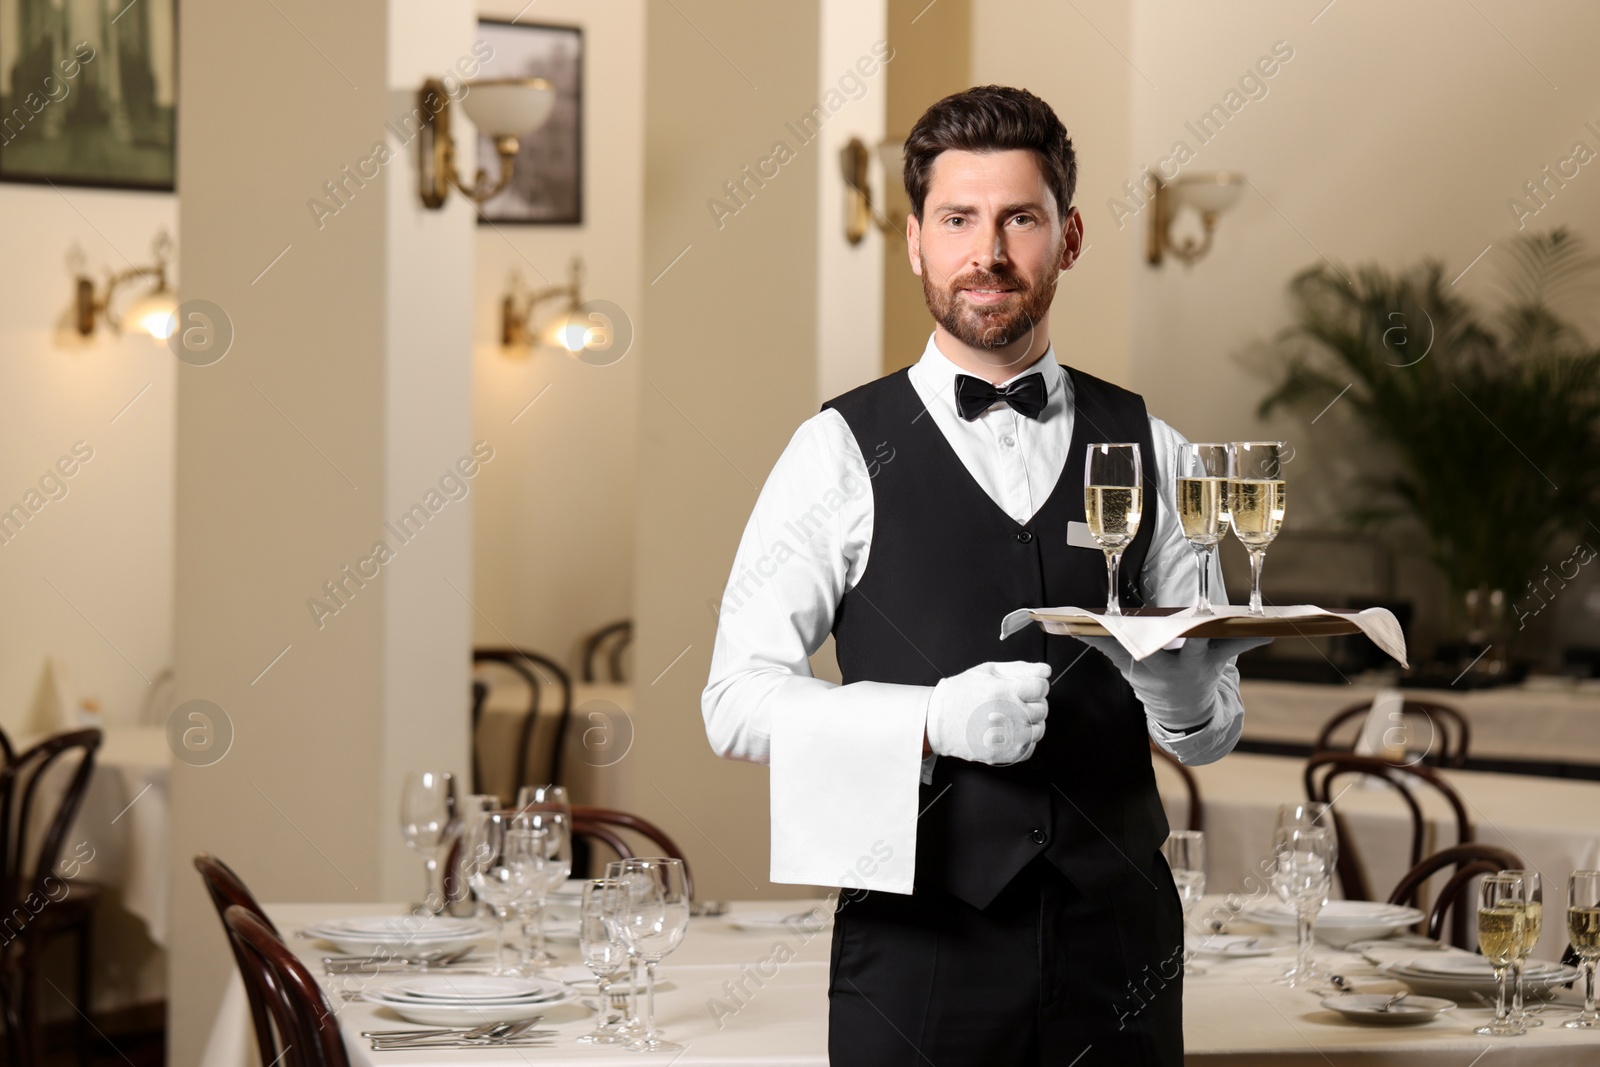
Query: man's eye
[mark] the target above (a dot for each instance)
(1025, 219)
(955, 221)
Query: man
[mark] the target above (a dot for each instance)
(1008, 901)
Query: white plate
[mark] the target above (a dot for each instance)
(1474, 990)
(767, 921)
(472, 988)
(1341, 913)
(1471, 966)
(1229, 946)
(1364, 1008)
(466, 1015)
(405, 926)
(359, 946)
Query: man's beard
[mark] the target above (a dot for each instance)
(994, 326)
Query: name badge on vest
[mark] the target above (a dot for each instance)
(1078, 536)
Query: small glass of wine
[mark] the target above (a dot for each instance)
(1502, 915)
(1532, 919)
(1203, 508)
(1113, 503)
(1583, 928)
(1256, 502)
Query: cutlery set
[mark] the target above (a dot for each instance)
(492, 1035)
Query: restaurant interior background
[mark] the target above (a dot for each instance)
(367, 359)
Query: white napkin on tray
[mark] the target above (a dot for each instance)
(1142, 635)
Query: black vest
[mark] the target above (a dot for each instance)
(946, 563)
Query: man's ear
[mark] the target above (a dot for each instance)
(914, 243)
(1072, 242)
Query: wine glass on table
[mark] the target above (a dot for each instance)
(603, 950)
(1533, 918)
(1185, 851)
(1316, 815)
(1583, 930)
(499, 858)
(1303, 860)
(1256, 502)
(1203, 508)
(1502, 916)
(1113, 504)
(428, 824)
(552, 837)
(652, 915)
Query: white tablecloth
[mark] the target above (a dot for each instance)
(1514, 723)
(1233, 1015)
(1552, 823)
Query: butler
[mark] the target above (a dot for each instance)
(993, 799)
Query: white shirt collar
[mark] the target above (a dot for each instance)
(935, 377)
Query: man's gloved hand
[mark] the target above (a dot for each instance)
(1178, 689)
(992, 713)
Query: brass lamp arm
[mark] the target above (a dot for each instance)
(90, 306)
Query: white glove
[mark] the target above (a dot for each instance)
(1178, 689)
(992, 713)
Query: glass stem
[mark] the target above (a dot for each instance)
(633, 990)
(1202, 557)
(1516, 998)
(1502, 1017)
(603, 1009)
(432, 899)
(1257, 558)
(539, 954)
(1588, 987)
(1113, 566)
(1302, 959)
(502, 914)
(650, 1000)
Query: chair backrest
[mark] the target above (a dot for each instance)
(307, 1026)
(1324, 768)
(1190, 783)
(1470, 860)
(530, 666)
(1449, 735)
(619, 635)
(7, 753)
(603, 825)
(227, 890)
(27, 867)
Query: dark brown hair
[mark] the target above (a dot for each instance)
(991, 118)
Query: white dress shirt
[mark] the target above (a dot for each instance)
(846, 760)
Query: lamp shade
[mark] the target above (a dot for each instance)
(1211, 193)
(154, 313)
(509, 107)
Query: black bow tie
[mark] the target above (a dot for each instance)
(974, 396)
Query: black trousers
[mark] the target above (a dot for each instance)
(1041, 976)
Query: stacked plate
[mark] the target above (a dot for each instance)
(1339, 922)
(463, 1000)
(1469, 980)
(400, 935)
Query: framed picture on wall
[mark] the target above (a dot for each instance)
(88, 93)
(548, 184)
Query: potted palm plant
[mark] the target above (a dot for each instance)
(1486, 418)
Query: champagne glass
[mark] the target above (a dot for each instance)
(1185, 851)
(499, 860)
(1533, 916)
(1113, 503)
(652, 917)
(601, 945)
(1501, 916)
(1303, 858)
(552, 834)
(428, 824)
(1256, 502)
(1203, 508)
(1583, 928)
(1316, 815)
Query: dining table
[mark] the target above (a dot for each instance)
(1552, 824)
(759, 998)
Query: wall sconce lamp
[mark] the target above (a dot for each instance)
(859, 213)
(564, 331)
(154, 313)
(1209, 194)
(501, 108)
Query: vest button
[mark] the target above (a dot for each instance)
(1025, 536)
(1038, 837)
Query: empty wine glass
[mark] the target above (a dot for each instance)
(1583, 930)
(1185, 851)
(1303, 858)
(552, 837)
(652, 917)
(1113, 504)
(544, 798)
(1203, 509)
(1257, 500)
(1501, 915)
(604, 952)
(500, 860)
(428, 824)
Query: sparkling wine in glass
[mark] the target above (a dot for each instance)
(652, 918)
(428, 824)
(1303, 861)
(1257, 498)
(604, 952)
(1583, 930)
(1113, 504)
(1203, 508)
(1502, 915)
(1185, 851)
(1532, 919)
